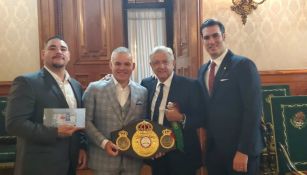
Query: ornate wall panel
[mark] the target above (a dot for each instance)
(274, 36)
(92, 29)
(186, 37)
(19, 38)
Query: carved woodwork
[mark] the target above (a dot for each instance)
(187, 45)
(91, 28)
(296, 79)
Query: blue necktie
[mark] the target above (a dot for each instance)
(155, 115)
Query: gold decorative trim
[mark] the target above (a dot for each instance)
(123, 141)
(245, 7)
(284, 107)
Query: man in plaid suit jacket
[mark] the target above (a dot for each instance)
(110, 104)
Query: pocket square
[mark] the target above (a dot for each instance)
(223, 79)
(139, 103)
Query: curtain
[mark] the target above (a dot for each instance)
(146, 29)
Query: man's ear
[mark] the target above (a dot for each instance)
(224, 36)
(43, 54)
(110, 64)
(133, 66)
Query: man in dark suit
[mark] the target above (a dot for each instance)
(232, 91)
(43, 150)
(180, 105)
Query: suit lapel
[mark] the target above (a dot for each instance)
(172, 94)
(75, 87)
(203, 78)
(133, 99)
(172, 90)
(50, 81)
(111, 91)
(152, 91)
(221, 72)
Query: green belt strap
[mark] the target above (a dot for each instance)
(178, 135)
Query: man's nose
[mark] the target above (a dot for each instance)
(210, 40)
(59, 51)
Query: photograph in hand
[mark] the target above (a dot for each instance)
(64, 116)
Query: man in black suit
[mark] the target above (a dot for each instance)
(43, 150)
(180, 105)
(232, 91)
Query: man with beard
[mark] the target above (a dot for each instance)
(42, 149)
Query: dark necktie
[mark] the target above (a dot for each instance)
(211, 77)
(155, 115)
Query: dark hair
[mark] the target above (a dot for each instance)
(212, 22)
(54, 37)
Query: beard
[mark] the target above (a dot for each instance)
(57, 66)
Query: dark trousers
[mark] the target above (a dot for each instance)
(219, 163)
(173, 163)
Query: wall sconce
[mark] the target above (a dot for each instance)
(245, 7)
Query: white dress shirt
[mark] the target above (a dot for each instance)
(218, 62)
(167, 84)
(122, 97)
(65, 88)
(121, 93)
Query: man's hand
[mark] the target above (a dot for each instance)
(158, 155)
(107, 77)
(67, 130)
(82, 161)
(111, 149)
(240, 162)
(172, 113)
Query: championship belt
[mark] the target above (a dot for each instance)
(143, 139)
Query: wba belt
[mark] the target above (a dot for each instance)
(143, 139)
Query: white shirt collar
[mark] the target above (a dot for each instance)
(167, 82)
(219, 59)
(119, 85)
(56, 77)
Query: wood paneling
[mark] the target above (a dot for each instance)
(46, 20)
(186, 37)
(91, 28)
(5, 87)
(296, 79)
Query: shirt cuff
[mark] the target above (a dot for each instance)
(183, 121)
(104, 142)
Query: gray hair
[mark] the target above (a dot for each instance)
(120, 50)
(164, 49)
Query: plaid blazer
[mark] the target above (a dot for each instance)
(103, 115)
